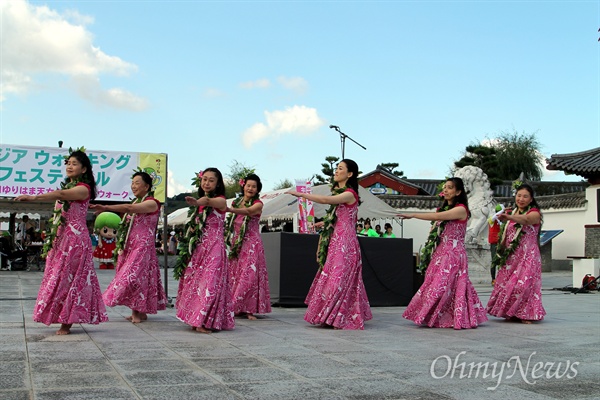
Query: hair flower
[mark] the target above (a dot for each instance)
(197, 179)
(242, 182)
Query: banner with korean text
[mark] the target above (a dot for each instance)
(37, 170)
(306, 212)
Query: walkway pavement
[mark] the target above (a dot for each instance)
(282, 357)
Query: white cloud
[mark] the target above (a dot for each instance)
(213, 93)
(427, 174)
(175, 187)
(13, 82)
(88, 87)
(36, 39)
(257, 84)
(296, 119)
(295, 84)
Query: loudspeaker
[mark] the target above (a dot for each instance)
(388, 268)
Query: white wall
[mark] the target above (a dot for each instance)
(571, 241)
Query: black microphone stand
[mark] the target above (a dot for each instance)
(343, 137)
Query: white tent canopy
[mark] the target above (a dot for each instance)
(178, 217)
(279, 206)
(4, 216)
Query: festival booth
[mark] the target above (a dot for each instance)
(388, 264)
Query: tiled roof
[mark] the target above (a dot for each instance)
(383, 171)
(555, 202)
(418, 202)
(541, 188)
(560, 201)
(585, 163)
(428, 185)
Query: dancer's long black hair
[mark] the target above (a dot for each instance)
(220, 189)
(352, 182)
(88, 175)
(527, 187)
(462, 197)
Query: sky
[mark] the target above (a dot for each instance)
(259, 83)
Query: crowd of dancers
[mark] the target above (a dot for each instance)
(221, 264)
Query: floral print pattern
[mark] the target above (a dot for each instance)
(203, 297)
(137, 282)
(447, 298)
(248, 276)
(70, 292)
(518, 289)
(337, 296)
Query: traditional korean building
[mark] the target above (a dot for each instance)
(567, 206)
(587, 165)
(381, 181)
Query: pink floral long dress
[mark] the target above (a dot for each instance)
(248, 277)
(447, 298)
(70, 292)
(137, 282)
(204, 297)
(337, 296)
(518, 289)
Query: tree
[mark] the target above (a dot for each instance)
(506, 157)
(283, 184)
(519, 152)
(327, 169)
(484, 157)
(237, 172)
(391, 166)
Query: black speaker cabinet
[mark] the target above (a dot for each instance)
(388, 268)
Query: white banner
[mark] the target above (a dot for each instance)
(37, 170)
(306, 212)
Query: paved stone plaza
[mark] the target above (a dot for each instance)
(282, 357)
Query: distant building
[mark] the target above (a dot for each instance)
(566, 206)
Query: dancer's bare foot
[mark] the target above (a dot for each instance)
(526, 321)
(202, 329)
(137, 317)
(251, 317)
(65, 329)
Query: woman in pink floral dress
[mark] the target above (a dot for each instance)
(137, 283)
(337, 297)
(518, 290)
(70, 292)
(204, 298)
(447, 299)
(248, 277)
